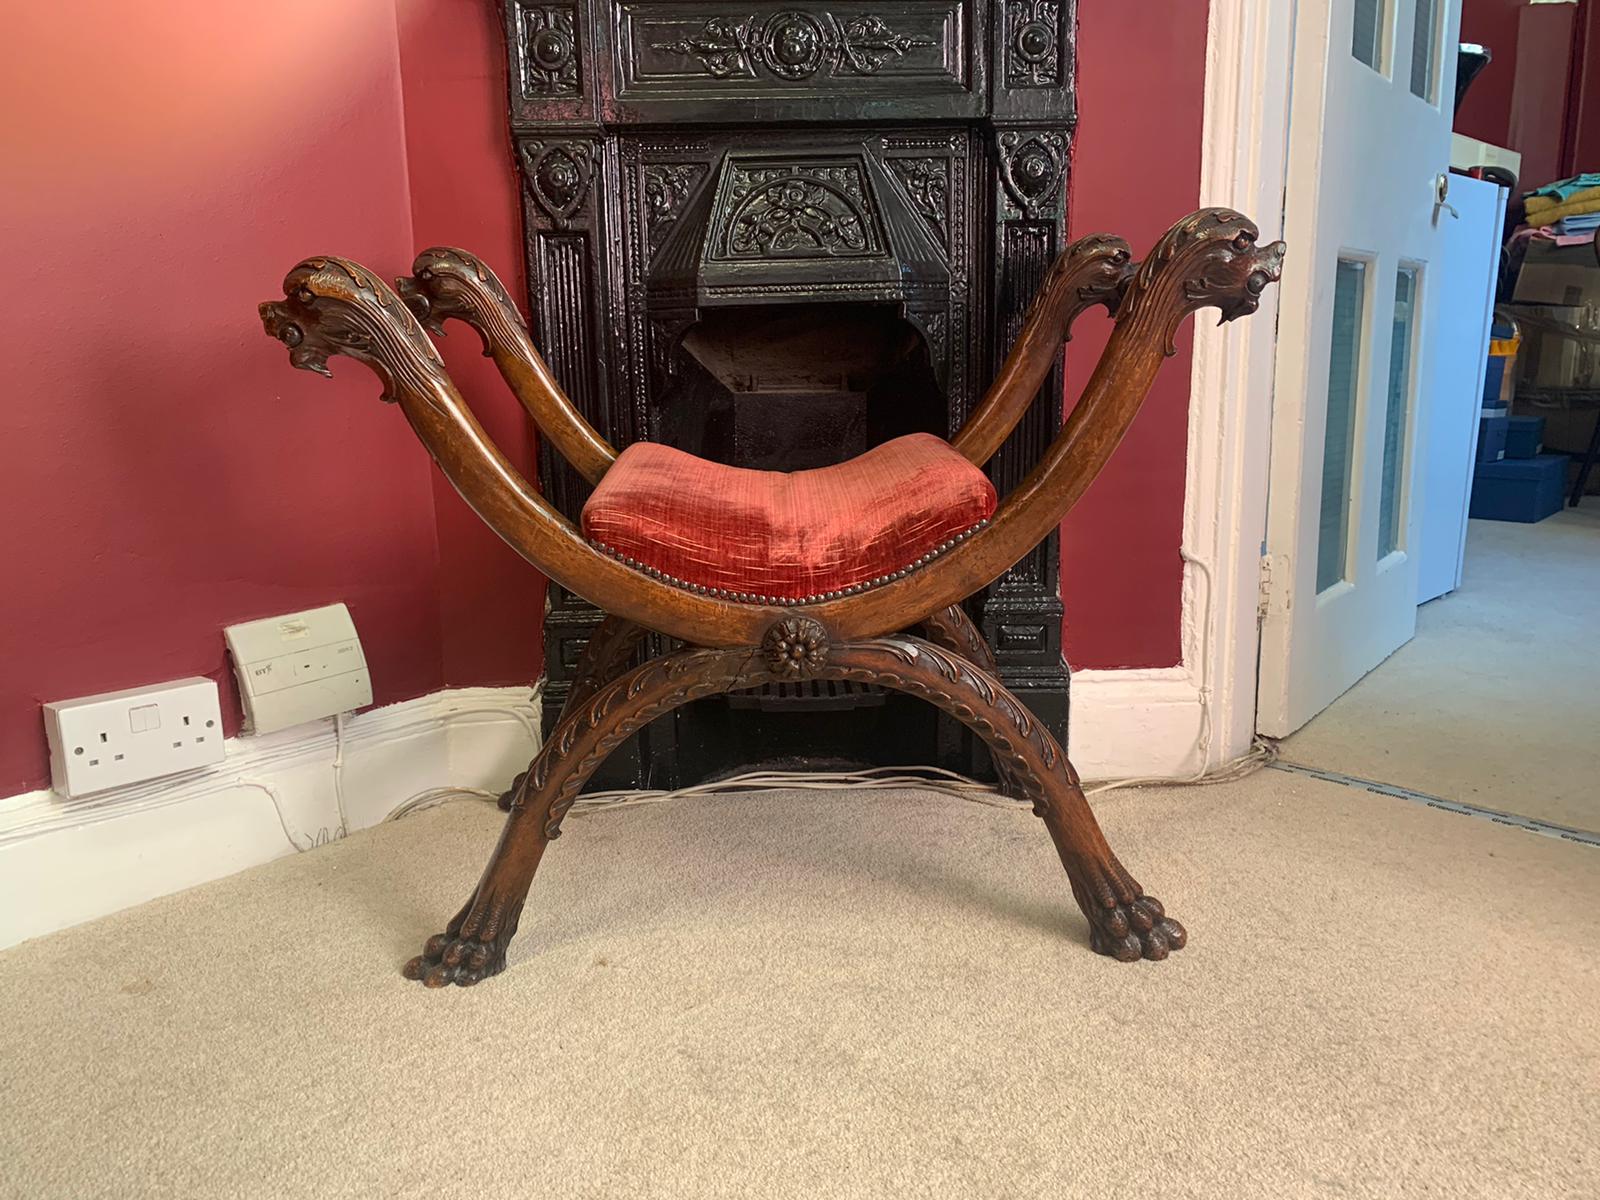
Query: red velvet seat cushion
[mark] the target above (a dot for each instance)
(776, 535)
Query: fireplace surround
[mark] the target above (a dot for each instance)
(774, 235)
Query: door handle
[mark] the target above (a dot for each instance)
(1441, 195)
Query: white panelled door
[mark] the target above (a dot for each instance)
(1468, 261)
(1369, 148)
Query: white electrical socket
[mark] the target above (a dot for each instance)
(299, 667)
(118, 738)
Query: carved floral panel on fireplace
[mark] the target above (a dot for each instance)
(670, 49)
(766, 219)
(801, 210)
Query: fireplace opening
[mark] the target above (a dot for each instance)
(796, 386)
(769, 290)
(791, 387)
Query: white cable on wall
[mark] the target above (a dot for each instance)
(338, 773)
(298, 841)
(927, 779)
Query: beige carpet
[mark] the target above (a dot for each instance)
(1497, 700)
(838, 995)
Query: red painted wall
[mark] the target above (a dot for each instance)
(1486, 112)
(1539, 97)
(1136, 170)
(464, 193)
(163, 472)
(1583, 116)
(1541, 94)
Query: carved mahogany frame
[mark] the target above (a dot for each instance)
(333, 306)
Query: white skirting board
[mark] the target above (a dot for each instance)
(1145, 723)
(67, 861)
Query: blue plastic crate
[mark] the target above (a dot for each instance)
(1493, 376)
(1525, 437)
(1519, 489)
(1492, 436)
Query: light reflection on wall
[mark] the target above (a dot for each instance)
(152, 99)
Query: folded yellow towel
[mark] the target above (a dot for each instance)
(1546, 210)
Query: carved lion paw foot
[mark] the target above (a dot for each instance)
(451, 958)
(1136, 929)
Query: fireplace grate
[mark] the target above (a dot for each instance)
(820, 695)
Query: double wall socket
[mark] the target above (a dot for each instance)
(118, 738)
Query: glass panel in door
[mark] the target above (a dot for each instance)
(1367, 39)
(1425, 50)
(1397, 415)
(1339, 441)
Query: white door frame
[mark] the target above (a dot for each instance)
(1249, 52)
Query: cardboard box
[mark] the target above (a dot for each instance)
(1565, 276)
(1492, 436)
(1550, 357)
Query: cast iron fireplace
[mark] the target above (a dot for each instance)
(775, 236)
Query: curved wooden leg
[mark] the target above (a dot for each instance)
(473, 945)
(1124, 922)
(951, 629)
(604, 657)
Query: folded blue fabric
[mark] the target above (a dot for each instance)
(1566, 187)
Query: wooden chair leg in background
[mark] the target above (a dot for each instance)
(1124, 922)
(953, 630)
(606, 655)
(1580, 485)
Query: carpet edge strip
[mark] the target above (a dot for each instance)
(1550, 829)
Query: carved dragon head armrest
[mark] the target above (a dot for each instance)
(1092, 271)
(1209, 259)
(447, 282)
(335, 306)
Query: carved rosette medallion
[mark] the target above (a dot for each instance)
(1033, 43)
(793, 45)
(550, 50)
(795, 647)
(1032, 166)
(558, 174)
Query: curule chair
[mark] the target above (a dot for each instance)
(760, 573)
